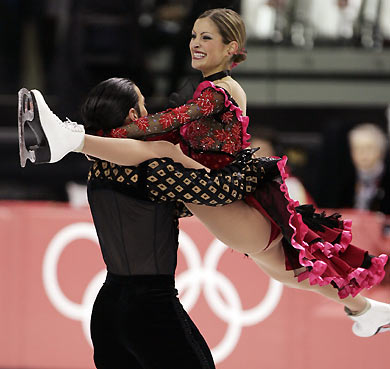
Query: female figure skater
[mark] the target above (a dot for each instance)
(292, 244)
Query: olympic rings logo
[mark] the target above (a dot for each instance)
(201, 275)
(205, 275)
(54, 292)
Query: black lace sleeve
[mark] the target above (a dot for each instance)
(209, 102)
(163, 180)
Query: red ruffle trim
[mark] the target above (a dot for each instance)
(355, 280)
(229, 104)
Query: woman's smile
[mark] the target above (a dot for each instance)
(209, 53)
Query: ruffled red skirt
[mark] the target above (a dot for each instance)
(318, 242)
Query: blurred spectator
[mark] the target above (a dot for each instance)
(384, 20)
(266, 139)
(371, 191)
(335, 19)
(369, 153)
(267, 19)
(307, 22)
(23, 25)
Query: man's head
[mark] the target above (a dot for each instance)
(368, 144)
(111, 103)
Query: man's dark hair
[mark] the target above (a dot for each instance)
(108, 104)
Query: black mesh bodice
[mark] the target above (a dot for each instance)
(136, 236)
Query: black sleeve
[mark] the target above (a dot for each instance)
(162, 179)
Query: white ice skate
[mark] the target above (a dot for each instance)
(375, 320)
(53, 137)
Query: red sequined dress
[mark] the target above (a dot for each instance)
(212, 130)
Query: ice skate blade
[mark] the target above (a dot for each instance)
(25, 114)
(28, 113)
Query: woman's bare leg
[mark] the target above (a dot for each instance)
(272, 261)
(244, 229)
(238, 225)
(370, 316)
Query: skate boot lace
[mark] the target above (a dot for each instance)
(72, 126)
(67, 124)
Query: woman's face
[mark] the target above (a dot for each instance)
(209, 53)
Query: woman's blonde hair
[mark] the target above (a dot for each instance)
(231, 27)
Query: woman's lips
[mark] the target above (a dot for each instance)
(197, 55)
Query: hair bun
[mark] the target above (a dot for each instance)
(239, 57)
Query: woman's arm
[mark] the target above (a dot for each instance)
(209, 102)
(236, 92)
(132, 152)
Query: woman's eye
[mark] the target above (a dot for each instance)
(206, 38)
(193, 36)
